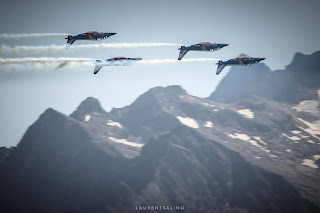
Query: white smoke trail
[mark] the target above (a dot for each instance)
(43, 64)
(30, 35)
(47, 67)
(53, 60)
(48, 64)
(175, 61)
(41, 60)
(27, 50)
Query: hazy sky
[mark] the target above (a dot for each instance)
(271, 29)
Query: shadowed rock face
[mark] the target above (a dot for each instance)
(182, 168)
(204, 176)
(249, 155)
(297, 82)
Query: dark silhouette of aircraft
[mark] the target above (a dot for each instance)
(240, 61)
(204, 46)
(117, 61)
(92, 35)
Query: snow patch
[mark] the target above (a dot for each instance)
(316, 157)
(288, 150)
(180, 147)
(190, 122)
(296, 132)
(293, 138)
(254, 143)
(307, 106)
(209, 124)
(246, 113)
(304, 136)
(113, 123)
(243, 137)
(260, 140)
(313, 128)
(257, 157)
(274, 156)
(266, 150)
(124, 141)
(247, 138)
(206, 104)
(87, 118)
(310, 163)
(310, 141)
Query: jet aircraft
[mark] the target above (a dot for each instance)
(204, 46)
(92, 35)
(117, 61)
(240, 61)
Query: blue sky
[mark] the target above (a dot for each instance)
(272, 29)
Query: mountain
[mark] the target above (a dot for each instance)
(255, 152)
(299, 81)
(180, 169)
(148, 116)
(202, 175)
(58, 167)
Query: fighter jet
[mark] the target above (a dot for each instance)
(92, 35)
(117, 61)
(204, 46)
(240, 61)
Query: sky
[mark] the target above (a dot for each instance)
(272, 29)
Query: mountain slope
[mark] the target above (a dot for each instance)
(207, 177)
(181, 168)
(56, 167)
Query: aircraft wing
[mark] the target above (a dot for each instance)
(220, 68)
(91, 37)
(97, 67)
(182, 53)
(70, 41)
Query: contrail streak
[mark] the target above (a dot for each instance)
(41, 60)
(30, 35)
(49, 64)
(27, 50)
(175, 61)
(53, 60)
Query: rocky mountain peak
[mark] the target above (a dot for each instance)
(90, 105)
(173, 90)
(158, 92)
(305, 63)
(87, 107)
(50, 113)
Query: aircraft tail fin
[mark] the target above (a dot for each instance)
(70, 41)
(183, 52)
(221, 66)
(97, 67)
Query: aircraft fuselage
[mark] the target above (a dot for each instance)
(204, 46)
(240, 61)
